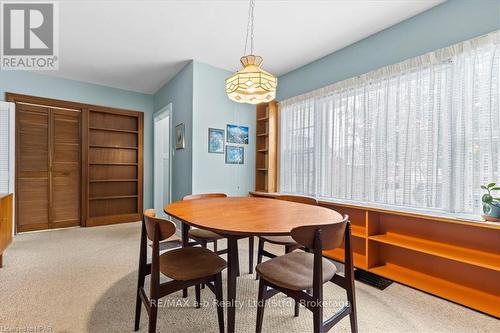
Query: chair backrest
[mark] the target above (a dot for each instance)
(299, 199)
(166, 227)
(332, 235)
(204, 196)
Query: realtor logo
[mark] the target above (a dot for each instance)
(29, 36)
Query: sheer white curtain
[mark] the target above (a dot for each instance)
(424, 133)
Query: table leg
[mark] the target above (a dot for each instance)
(232, 271)
(185, 242)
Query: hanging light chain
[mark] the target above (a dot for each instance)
(250, 25)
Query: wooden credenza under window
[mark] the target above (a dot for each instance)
(455, 259)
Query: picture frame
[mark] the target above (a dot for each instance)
(235, 155)
(216, 140)
(180, 140)
(237, 134)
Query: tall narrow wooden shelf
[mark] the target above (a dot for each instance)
(115, 157)
(266, 147)
(455, 259)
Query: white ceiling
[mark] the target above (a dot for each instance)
(140, 45)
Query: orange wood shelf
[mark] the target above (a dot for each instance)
(358, 231)
(444, 256)
(470, 297)
(338, 255)
(443, 250)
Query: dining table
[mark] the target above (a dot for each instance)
(238, 217)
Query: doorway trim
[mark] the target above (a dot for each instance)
(166, 111)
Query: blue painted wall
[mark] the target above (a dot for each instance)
(179, 92)
(443, 25)
(35, 84)
(213, 109)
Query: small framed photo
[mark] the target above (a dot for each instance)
(235, 155)
(216, 140)
(180, 141)
(237, 134)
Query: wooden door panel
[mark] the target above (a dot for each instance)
(65, 170)
(66, 128)
(65, 198)
(32, 168)
(33, 142)
(33, 204)
(65, 153)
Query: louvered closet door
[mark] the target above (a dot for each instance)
(32, 150)
(65, 169)
(48, 168)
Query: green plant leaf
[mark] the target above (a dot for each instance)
(495, 189)
(497, 199)
(491, 184)
(484, 187)
(487, 198)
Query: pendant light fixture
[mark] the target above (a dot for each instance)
(251, 84)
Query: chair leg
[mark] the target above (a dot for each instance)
(198, 296)
(185, 243)
(220, 301)
(215, 246)
(297, 309)
(237, 257)
(259, 254)
(138, 306)
(152, 315)
(203, 245)
(318, 318)
(250, 255)
(261, 303)
(141, 276)
(352, 303)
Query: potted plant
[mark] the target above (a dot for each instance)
(491, 205)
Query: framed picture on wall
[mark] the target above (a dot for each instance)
(237, 134)
(216, 140)
(180, 141)
(235, 155)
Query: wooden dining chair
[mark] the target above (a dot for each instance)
(287, 241)
(295, 272)
(186, 267)
(202, 236)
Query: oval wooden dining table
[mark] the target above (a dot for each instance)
(237, 217)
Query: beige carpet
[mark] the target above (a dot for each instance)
(84, 280)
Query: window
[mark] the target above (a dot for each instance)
(424, 133)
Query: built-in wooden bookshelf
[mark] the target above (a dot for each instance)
(114, 166)
(266, 147)
(455, 259)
